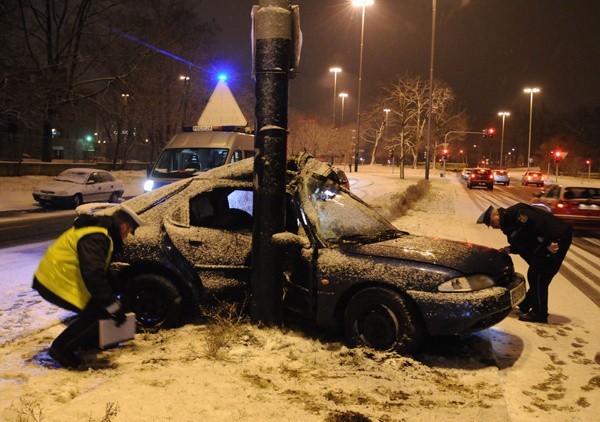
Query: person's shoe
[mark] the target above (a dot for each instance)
(524, 308)
(64, 358)
(533, 317)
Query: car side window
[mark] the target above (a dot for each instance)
(223, 208)
(554, 192)
(236, 156)
(94, 178)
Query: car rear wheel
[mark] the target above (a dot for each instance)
(77, 200)
(156, 301)
(114, 198)
(382, 319)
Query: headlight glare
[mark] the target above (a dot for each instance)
(466, 284)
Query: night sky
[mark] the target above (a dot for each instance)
(486, 50)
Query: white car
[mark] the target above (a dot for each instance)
(465, 173)
(501, 177)
(75, 186)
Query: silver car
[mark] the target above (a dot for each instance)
(75, 186)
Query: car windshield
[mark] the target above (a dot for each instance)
(72, 176)
(340, 217)
(185, 162)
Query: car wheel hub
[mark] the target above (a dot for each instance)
(379, 328)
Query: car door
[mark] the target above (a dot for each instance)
(213, 231)
(106, 186)
(92, 189)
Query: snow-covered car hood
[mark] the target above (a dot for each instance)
(466, 258)
(58, 186)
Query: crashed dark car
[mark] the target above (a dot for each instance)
(345, 266)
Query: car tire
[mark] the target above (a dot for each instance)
(114, 198)
(469, 186)
(77, 200)
(383, 320)
(155, 300)
(491, 187)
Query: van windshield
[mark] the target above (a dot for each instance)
(185, 162)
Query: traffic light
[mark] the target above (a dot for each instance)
(557, 156)
(588, 162)
(445, 153)
(491, 132)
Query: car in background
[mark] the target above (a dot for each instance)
(481, 177)
(344, 266)
(342, 177)
(533, 178)
(501, 177)
(76, 186)
(465, 173)
(576, 204)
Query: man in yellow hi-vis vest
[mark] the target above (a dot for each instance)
(73, 275)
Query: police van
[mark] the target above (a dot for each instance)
(197, 149)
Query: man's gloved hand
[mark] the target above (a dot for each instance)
(116, 313)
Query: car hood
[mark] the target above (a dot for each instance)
(56, 186)
(466, 258)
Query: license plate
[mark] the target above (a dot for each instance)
(517, 294)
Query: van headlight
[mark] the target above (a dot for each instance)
(148, 185)
(466, 284)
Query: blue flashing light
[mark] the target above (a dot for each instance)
(222, 77)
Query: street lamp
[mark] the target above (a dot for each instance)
(335, 71)
(343, 96)
(504, 115)
(363, 4)
(387, 115)
(530, 91)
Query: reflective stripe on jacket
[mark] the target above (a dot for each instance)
(59, 269)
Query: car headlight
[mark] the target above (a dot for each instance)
(467, 284)
(148, 185)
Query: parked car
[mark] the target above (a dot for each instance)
(465, 173)
(576, 204)
(533, 178)
(501, 177)
(481, 177)
(75, 186)
(344, 265)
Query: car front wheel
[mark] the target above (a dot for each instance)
(77, 200)
(155, 300)
(382, 319)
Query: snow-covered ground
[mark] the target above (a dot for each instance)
(513, 371)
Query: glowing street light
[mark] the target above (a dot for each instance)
(530, 91)
(343, 96)
(335, 71)
(504, 115)
(363, 4)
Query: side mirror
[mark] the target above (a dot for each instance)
(287, 239)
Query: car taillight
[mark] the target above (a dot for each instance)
(491, 176)
(528, 177)
(507, 174)
(542, 178)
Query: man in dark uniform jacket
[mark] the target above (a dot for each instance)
(542, 240)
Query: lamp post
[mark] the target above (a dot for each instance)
(504, 115)
(530, 91)
(363, 4)
(387, 115)
(343, 96)
(335, 71)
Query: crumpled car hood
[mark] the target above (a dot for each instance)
(464, 257)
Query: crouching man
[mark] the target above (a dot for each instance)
(542, 240)
(73, 275)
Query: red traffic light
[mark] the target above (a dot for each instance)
(445, 151)
(557, 154)
(491, 132)
(588, 162)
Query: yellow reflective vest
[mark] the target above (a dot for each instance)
(59, 269)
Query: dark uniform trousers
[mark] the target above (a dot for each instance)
(542, 270)
(82, 333)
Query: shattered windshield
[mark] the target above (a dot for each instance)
(340, 217)
(185, 162)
